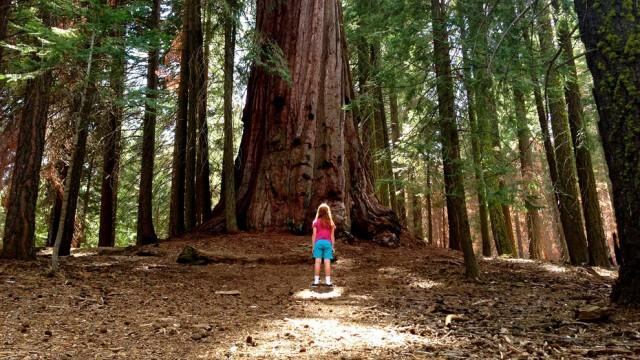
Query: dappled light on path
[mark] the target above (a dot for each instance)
(307, 294)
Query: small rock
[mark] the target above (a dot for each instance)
(196, 336)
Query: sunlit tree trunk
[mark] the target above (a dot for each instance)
(609, 31)
(459, 232)
(177, 208)
(396, 126)
(228, 177)
(567, 184)
(597, 243)
(146, 233)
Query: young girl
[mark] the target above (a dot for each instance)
(322, 243)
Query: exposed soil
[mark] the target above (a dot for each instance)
(388, 304)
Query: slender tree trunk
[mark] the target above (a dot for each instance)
(529, 187)
(519, 235)
(475, 139)
(111, 142)
(609, 32)
(62, 246)
(299, 147)
(86, 198)
(598, 250)
(548, 146)
(417, 212)
(203, 190)
(20, 222)
(567, 185)
(146, 233)
(488, 126)
(459, 233)
(177, 210)
(58, 191)
(231, 224)
(429, 209)
(396, 126)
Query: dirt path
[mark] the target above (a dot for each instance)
(388, 304)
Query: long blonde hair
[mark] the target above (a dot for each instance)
(324, 216)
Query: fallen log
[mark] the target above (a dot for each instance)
(192, 256)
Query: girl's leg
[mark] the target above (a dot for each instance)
(327, 270)
(316, 267)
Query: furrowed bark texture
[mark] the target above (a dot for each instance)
(609, 30)
(20, 223)
(299, 147)
(598, 250)
(567, 184)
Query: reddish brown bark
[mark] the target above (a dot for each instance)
(299, 147)
(20, 223)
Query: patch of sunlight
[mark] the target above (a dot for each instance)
(320, 337)
(308, 294)
(554, 268)
(45, 251)
(606, 272)
(360, 297)
(149, 267)
(425, 284)
(517, 260)
(84, 253)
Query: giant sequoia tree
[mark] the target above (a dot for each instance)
(300, 145)
(609, 30)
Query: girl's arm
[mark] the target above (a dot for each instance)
(333, 237)
(313, 238)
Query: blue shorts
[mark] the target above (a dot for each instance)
(323, 249)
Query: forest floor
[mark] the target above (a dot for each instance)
(387, 304)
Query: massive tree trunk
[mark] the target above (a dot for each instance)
(610, 34)
(231, 224)
(146, 233)
(299, 147)
(459, 232)
(20, 223)
(111, 141)
(567, 184)
(598, 251)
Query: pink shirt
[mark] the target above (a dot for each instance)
(321, 231)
